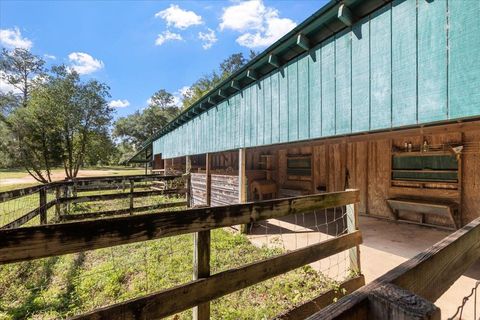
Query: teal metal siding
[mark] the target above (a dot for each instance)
(410, 62)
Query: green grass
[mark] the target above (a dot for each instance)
(62, 286)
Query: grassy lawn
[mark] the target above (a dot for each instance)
(62, 286)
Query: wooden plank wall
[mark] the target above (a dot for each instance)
(224, 190)
(339, 164)
(199, 189)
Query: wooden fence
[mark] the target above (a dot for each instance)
(65, 193)
(214, 189)
(23, 244)
(407, 291)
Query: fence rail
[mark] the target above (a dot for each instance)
(17, 207)
(25, 244)
(406, 291)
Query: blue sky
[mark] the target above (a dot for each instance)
(138, 47)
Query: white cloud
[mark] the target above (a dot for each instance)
(167, 36)
(49, 56)
(83, 63)
(178, 17)
(178, 95)
(119, 103)
(261, 26)
(208, 38)
(12, 38)
(6, 87)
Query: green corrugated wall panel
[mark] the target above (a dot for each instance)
(404, 62)
(247, 115)
(292, 76)
(242, 119)
(343, 78)
(261, 113)
(254, 115)
(303, 99)
(275, 107)
(380, 64)
(432, 60)
(464, 58)
(283, 94)
(361, 76)
(267, 96)
(328, 88)
(315, 93)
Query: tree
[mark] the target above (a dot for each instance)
(141, 125)
(58, 125)
(19, 68)
(207, 82)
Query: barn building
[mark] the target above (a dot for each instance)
(378, 95)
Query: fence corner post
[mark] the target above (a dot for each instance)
(388, 301)
(43, 205)
(352, 225)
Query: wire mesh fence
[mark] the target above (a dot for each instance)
(114, 196)
(66, 285)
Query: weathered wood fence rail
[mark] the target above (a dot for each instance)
(23, 244)
(65, 193)
(407, 291)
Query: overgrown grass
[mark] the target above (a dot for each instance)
(62, 286)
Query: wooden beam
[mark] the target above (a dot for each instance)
(303, 42)
(115, 196)
(318, 303)
(171, 301)
(429, 274)
(103, 214)
(274, 61)
(352, 225)
(211, 101)
(43, 241)
(222, 94)
(346, 15)
(252, 74)
(235, 85)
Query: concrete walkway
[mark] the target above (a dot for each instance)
(385, 245)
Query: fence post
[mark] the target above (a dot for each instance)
(58, 195)
(132, 188)
(352, 225)
(43, 205)
(201, 269)
(242, 183)
(208, 180)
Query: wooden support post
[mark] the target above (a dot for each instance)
(352, 225)
(65, 204)
(242, 181)
(58, 195)
(389, 301)
(132, 189)
(201, 269)
(208, 180)
(43, 205)
(188, 184)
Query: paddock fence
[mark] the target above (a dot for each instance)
(88, 198)
(323, 230)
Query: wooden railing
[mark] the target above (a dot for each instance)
(407, 291)
(23, 244)
(66, 193)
